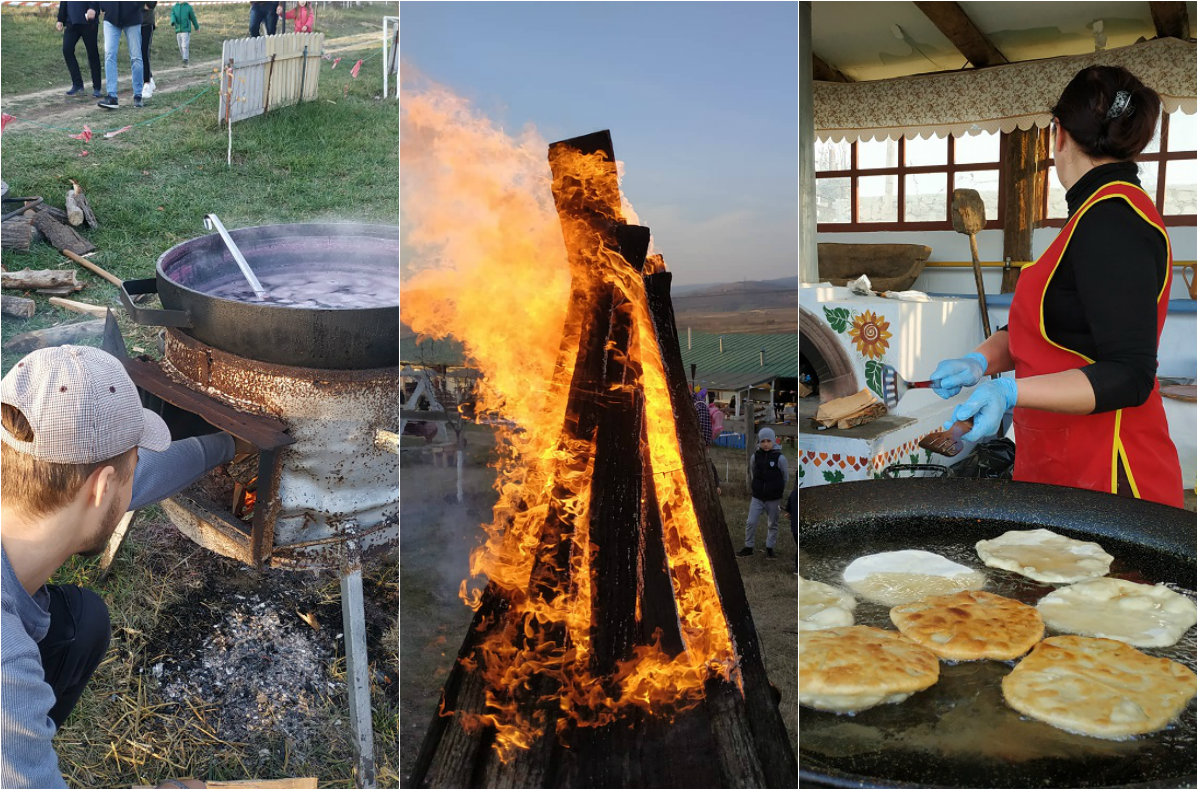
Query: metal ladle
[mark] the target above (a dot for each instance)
(211, 221)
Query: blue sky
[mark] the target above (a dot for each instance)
(701, 99)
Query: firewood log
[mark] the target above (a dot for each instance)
(55, 336)
(16, 235)
(40, 279)
(74, 213)
(61, 236)
(20, 307)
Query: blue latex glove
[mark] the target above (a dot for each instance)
(987, 405)
(953, 375)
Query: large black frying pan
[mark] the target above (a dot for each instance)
(960, 733)
(347, 338)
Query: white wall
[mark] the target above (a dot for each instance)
(952, 246)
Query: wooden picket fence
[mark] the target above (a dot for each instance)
(268, 72)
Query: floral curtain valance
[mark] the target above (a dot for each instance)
(999, 98)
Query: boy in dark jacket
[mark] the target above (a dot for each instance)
(768, 482)
(75, 25)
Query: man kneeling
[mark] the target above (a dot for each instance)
(77, 451)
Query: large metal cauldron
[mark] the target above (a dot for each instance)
(959, 733)
(327, 338)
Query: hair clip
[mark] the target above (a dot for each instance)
(1121, 105)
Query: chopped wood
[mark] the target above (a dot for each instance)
(74, 213)
(61, 291)
(16, 235)
(20, 307)
(61, 236)
(84, 205)
(98, 311)
(849, 411)
(55, 336)
(53, 211)
(40, 279)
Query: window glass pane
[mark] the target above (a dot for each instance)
(1148, 176)
(987, 184)
(1183, 132)
(833, 200)
(1155, 145)
(878, 153)
(984, 147)
(925, 197)
(1181, 188)
(877, 199)
(832, 156)
(926, 152)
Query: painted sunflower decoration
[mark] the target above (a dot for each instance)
(870, 335)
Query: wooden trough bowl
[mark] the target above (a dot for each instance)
(891, 267)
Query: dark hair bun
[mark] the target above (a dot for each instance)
(1086, 110)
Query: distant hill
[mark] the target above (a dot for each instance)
(765, 306)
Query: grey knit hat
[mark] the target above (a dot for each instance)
(766, 433)
(81, 406)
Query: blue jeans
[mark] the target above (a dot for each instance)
(112, 40)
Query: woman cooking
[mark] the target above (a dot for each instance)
(1087, 315)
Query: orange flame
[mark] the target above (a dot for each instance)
(485, 260)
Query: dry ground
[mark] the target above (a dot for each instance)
(437, 533)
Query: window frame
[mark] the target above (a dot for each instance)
(1162, 157)
(900, 171)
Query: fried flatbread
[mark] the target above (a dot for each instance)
(823, 606)
(1045, 556)
(900, 576)
(1098, 687)
(1135, 613)
(849, 669)
(970, 625)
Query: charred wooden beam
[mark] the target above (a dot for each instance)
(963, 34)
(1170, 20)
(826, 73)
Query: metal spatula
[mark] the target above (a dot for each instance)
(895, 386)
(947, 442)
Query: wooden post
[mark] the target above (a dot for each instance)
(1022, 199)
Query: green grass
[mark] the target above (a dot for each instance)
(31, 32)
(332, 159)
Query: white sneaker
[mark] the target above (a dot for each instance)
(148, 89)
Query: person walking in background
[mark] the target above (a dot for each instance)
(121, 18)
(75, 24)
(303, 14)
(183, 19)
(147, 34)
(262, 14)
(768, 481)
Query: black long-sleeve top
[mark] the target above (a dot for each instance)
(1102, 300)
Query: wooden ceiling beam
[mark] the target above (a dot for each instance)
(969, 40)
(1170, 20)
(826, 73)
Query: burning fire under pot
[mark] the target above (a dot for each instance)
(307, 379)
(613, 645)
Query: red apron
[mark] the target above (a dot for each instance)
(1085, 450)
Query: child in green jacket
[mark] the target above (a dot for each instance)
(182, 19)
